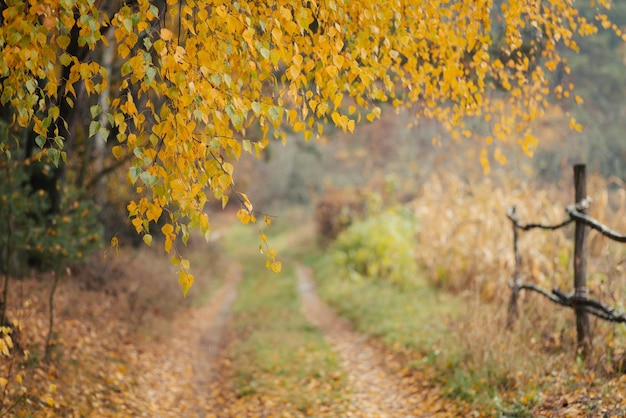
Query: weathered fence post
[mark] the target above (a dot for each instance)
(513, 313)
(583, 328)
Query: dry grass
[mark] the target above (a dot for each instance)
(466, 246)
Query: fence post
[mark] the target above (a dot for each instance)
(583, 328)
(513, 309)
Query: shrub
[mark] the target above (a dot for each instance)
(31, 232)
(379, 247)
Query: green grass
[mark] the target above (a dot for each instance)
(280, 351)
(422, 323)
(277, 353)
(416, 317)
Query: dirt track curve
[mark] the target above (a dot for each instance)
(375, 390)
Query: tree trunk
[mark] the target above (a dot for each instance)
(55, 282)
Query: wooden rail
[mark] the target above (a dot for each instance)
(579, 299)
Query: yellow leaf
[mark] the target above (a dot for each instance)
(123, 50)
(185, 263)
(332, 71)
(228, 167)
(117, 152)
(166, 34)
(294, 72)
(137, 223)
(225, 181)
(244, 216)
(246, 201)
(167, 229)
(351, 125)
(168, 244)
(147, 239)
(375, 113)
(298, 126)
(338, 60)
(185, 280)
(276, 266)
(277, 34)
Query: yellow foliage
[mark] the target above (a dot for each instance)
(185, 280)
(218, 68)
(244, 216)
(6, 343)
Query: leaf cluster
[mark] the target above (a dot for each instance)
(194, 79)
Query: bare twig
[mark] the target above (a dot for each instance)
(592, 306)
(516, 282)
(106, 170)
(512, 215)
(553, 297)
(576, 214)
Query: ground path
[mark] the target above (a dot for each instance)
(195, 377)
(190, 378)
(375, 391)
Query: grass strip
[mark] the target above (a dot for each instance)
(278, 356)
(419, 322)
(416, 318)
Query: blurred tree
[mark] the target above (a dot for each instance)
(598, 70)
(194, 76)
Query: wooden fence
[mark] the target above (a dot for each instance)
(578, 300)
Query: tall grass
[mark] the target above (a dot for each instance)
(466, 247)
(278, 358)
(466, 241)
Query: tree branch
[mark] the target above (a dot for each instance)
(512, 215)
(575, 214)
(592, 306)
(107, 170)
